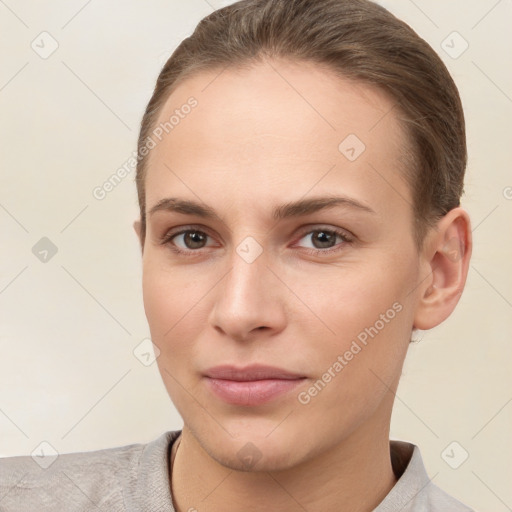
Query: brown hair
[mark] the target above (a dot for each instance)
(357, 39)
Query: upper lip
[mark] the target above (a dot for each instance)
(252, 372)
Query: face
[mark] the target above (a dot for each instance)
(327, 293)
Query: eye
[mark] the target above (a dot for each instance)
(185, 241)
(324, 240)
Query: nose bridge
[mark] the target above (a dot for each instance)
(248, 272)
(247, 298)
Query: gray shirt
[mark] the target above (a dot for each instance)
(136, 478)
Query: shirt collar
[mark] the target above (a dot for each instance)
(411, 474)
(151, 488)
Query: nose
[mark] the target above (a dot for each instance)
(249, 299)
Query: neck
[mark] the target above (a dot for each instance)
(354, 475)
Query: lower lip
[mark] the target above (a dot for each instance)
(253, 392)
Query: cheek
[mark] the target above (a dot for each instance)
(349, 300)
(172, 302)
(356, 369)
(175, 314)
(369, 314)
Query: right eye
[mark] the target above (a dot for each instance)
(185, 241)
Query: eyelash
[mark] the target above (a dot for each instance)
(345, 237)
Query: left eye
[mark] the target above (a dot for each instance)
(324, 239)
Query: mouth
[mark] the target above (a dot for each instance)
(252, 385)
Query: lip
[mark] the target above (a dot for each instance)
(251, 373)
(251, 385)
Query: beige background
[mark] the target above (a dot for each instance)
(68, 327)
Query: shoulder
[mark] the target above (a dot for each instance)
(73, 481)
(84, 480)
(440, 501)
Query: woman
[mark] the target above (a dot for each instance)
(300, 167)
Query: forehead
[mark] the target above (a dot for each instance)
(273, 127)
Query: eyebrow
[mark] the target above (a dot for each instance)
(291, 209)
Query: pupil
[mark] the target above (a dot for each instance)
(194, 237)
(325, 235)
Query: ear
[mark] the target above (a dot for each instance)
(446, 254)
(137, 227)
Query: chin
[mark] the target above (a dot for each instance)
(252, 458)
(260, 448)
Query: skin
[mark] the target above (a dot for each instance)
(261, 137)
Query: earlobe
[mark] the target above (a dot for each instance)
(447, 256)
(137, 228)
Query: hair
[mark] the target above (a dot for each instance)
(358, 40)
